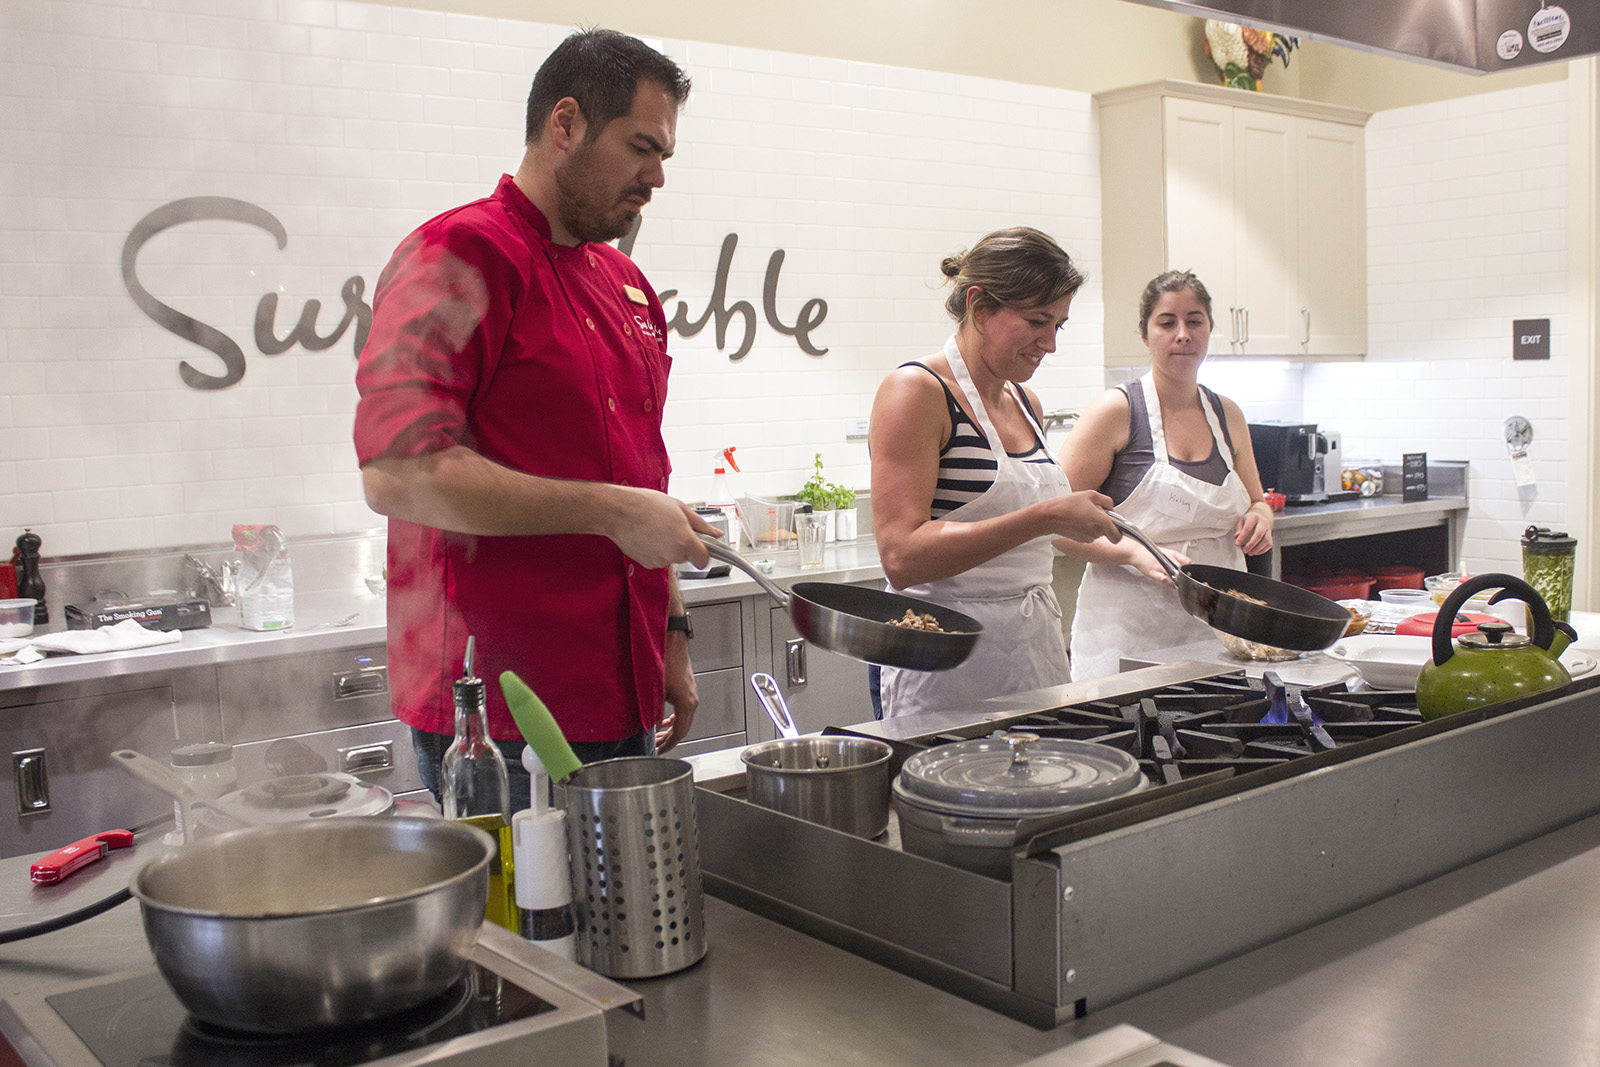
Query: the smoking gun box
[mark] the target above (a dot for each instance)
(152, 614)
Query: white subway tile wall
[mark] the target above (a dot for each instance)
(1467, 231)
(328, 130)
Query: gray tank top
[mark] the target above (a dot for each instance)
(1130, 465)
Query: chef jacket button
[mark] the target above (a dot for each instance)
(630, 570)
(589, 323)
(611, 403)
(649, 404)
(592, 262)
(663, 485)
(627, 331)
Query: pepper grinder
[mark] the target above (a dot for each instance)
(29, 584)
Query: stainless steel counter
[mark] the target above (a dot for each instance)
(318, 619)
(1494, 964)
(1368, 515)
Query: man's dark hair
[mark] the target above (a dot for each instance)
(601, 70)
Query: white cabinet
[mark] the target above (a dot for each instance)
(1262, 197)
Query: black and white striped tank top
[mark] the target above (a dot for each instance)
(966, 463)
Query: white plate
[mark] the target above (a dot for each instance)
(1393, 661)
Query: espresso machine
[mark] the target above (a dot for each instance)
(1297, 460)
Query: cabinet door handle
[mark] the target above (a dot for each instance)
(1233, 325)
(32, 776)
(364, 759)
(1305, 320)
(1244, 332)
(794, 655)
(366, 682)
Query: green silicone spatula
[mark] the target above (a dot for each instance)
(539, 727)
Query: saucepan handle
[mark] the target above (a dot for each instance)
(720, 550)
(1138, 535)
(766, 688)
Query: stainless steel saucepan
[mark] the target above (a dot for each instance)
(858, 622)
(1247, 605)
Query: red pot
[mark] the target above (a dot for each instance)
(1346, 585)
(1422, 625)
(1396, 578)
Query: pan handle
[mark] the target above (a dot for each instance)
(1138, 535)
(720, 550)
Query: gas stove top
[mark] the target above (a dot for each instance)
(1225, 722)
(1272, 808)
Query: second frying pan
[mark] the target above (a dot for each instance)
(1227, 600)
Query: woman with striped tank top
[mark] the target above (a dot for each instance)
(966, 498)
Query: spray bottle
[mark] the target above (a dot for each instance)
(722, 495)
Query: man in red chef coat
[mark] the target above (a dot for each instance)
(510, 428)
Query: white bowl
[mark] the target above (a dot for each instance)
(1393, 661)
(1385, 661)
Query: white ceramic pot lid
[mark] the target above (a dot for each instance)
(293, 797)
(1017, 775)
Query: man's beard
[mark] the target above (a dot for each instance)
(586, 209)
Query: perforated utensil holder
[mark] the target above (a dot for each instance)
(635, 866)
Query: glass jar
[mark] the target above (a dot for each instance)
(1547, 562)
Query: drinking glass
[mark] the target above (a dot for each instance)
(808, 528)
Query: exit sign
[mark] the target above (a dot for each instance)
(1530, 339)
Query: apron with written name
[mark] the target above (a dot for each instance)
(1121, 612)
(1022, 646)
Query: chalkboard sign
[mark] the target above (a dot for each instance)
(1414, 476)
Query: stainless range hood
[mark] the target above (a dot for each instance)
(1475, 36)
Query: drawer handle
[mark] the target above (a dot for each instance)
(794, 655)
(32, 776)
(365, 759)
(369, 681)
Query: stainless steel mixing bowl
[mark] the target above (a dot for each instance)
(304, 926)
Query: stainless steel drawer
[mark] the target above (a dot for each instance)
(377, 753)
(721, 703)
(292, 695)
(718, 636)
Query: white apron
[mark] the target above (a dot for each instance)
(1121, 612)
(1022, 646)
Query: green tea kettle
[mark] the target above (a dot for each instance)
(1493, 663)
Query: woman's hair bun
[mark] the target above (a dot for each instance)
(950, 266)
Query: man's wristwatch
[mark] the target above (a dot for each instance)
(680, 623)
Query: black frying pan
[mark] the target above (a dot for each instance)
(1287, 617)
(856, 622)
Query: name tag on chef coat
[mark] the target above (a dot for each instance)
(636, 295)
(1172, 501)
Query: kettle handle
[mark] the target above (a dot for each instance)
(1544, 630)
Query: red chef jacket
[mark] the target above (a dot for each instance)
(550, 360)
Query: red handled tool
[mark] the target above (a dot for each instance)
(63, 861)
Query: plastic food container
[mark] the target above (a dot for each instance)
(767, 523)
(1366, 479)
(16, 617)
(1420, 599)
(1440, 586)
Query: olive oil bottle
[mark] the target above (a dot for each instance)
(475, 789)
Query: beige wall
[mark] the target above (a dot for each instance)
(1088, 45)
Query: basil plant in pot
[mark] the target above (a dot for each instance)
(844, 512)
